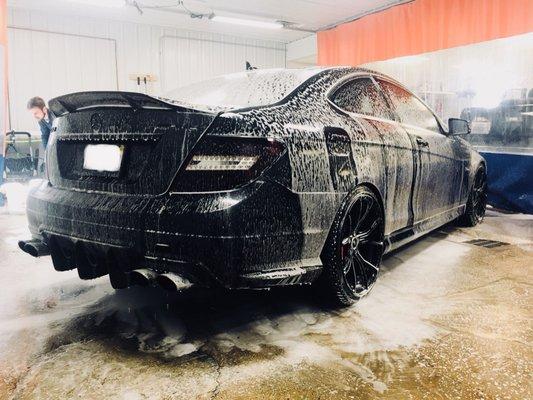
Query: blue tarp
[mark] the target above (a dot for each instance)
(510, 181)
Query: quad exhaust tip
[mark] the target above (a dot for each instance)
(169, 281)
(35, 248)
(142, 277)
(173, 282)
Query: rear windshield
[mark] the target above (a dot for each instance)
(241, 90)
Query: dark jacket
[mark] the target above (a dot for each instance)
(46, 128)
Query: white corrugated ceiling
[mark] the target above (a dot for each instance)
(306, 15)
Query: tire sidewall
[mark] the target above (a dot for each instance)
(470, 217)
(333, 275)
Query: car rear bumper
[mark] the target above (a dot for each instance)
(210, 238)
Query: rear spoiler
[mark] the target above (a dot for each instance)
(73, 102)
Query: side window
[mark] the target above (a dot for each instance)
(361, 96)
(410, 110)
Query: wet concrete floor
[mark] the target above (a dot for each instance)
(446, 320)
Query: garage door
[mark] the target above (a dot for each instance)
(51, 64)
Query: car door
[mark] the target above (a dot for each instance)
(383, 152)
(440, 159)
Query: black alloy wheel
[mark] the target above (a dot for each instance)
(354, 249)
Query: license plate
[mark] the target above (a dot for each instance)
(102, 157)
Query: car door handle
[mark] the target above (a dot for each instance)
(421, 142)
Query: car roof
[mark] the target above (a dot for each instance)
(341, 71)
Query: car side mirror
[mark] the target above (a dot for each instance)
(458, 126)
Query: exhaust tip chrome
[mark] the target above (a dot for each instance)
(142, 277)
(21, 244)
(35, 248)
(173, 282)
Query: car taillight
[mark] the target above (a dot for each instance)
(221, 163)
(224, 163)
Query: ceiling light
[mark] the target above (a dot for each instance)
(247, 22)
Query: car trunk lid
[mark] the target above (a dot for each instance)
(154, 138)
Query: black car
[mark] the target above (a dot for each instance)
(250, 180)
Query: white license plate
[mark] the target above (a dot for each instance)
(102, 157)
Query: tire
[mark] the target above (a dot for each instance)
(477, 200)
(354, 248)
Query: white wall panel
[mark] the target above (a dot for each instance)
(50, 64)
(189, 59)
(3, 103)
(145, 49)
(302, 53)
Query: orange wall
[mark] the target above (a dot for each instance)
(3, 21)
(422, 26)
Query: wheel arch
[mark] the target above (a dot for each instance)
(374, 189)
(480, 162)
(345, 203)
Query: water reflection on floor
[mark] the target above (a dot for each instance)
(446, 320)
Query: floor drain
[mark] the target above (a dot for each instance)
(486, 243)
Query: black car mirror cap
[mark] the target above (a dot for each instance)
(457, 126)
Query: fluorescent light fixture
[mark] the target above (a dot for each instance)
(247, 22)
